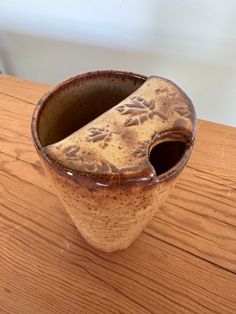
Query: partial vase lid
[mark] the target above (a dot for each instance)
(116, 145)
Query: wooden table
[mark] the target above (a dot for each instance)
(184, 262)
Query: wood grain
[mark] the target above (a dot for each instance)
(184, 262)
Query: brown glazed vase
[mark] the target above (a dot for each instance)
(113, 144)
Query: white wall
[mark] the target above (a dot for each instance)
(192, 42)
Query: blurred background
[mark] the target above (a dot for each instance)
(192, 42)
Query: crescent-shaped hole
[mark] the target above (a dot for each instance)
(166, 155)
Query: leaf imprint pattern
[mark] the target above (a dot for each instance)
(140, 110)
(103, 166)
(103, 134)
(141, 150)
(71, 152)
(183, 112)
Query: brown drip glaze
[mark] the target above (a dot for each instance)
(113, 143)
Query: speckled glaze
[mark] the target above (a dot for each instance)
(113, 144)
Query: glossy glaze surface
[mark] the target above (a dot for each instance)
(112, 173)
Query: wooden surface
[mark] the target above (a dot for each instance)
(184, 262)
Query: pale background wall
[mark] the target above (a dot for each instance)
(192, 42)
